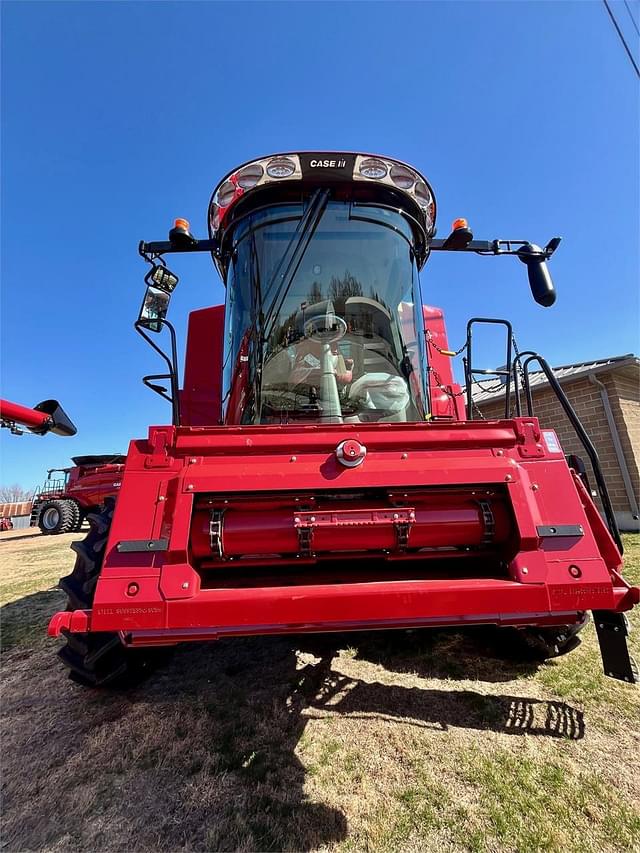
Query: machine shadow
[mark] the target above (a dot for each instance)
(252, 699)
(207, 750)
(477, 653)
(397, 651)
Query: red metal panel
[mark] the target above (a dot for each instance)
(545, 579)
(445, 393)
(201, 396)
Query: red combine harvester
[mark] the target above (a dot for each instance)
(61, 504)
(321, 471)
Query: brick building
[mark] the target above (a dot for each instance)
(606, 397)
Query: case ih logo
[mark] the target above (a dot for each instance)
(327, 164)
(338, 166)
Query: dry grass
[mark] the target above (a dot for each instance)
(410, 741)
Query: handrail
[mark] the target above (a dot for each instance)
(580, 431)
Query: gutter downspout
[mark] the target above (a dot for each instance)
(617, 446)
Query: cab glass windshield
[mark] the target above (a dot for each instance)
(323, 317)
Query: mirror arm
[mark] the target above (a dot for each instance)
(163, 247)
(496, 247)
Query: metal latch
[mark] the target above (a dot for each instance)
(488, 521)
(215, 532)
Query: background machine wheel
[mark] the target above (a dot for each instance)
(58, 516)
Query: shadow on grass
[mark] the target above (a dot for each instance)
(203, 755)
(24, 622)
(480, 653)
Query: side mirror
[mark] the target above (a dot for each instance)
(542, 288)
(161, 283)
(154, 309)
(61, 424)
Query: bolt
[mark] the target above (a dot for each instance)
(313, 518)
(616, 628)
(193, 460)
(404, 456)
(525, 570)
(132, 589)
(395, 515)
(185, 585)
(499, 452)
(534, 487)
(296, 520)
(294, 459)
(508, 478)
(161, 498)
(190, 486)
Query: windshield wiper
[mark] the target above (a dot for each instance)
(293, 255)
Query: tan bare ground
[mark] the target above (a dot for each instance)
(422, 741)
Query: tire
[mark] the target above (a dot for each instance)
(57, 516)
(98, 658)
(545, 643)
(81, 517)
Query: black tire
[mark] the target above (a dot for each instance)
(544, 643)
(57, 516)
(97, 659)
(81, 518)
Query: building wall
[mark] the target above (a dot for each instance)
(623, 390)
(626, 409)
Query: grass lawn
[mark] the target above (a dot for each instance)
(403, 741)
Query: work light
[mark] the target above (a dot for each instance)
(280, 167)
(250, 176)
(373, 168)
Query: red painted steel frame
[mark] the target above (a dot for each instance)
(164, 597)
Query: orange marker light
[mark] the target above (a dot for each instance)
(459, 223)
(183, 224)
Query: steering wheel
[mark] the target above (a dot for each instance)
(325, 329)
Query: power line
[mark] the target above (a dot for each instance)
(622, 39)
(635, 26)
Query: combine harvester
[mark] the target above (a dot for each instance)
(61, 504)
(321, 471)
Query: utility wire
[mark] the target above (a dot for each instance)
(622, 39)
(635, 26)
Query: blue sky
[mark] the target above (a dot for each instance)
(118, 117)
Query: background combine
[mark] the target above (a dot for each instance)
(61, 504)
(323, 470)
